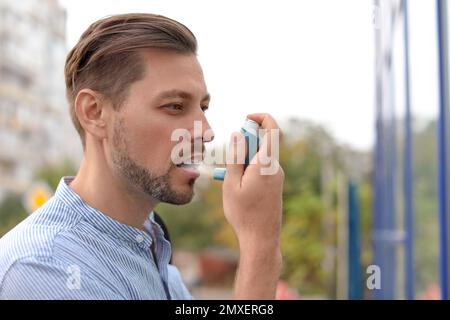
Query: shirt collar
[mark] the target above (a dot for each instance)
(99, 219)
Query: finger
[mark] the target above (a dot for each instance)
(272, 134)
(265, 120)
(235, 158)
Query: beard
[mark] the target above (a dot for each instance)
(140, 177)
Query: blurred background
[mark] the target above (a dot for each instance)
(360, 90)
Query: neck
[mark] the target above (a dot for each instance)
(105, 191)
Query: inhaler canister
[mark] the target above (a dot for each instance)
(250, 132)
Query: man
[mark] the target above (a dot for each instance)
(131, 81)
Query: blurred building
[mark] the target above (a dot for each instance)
(35, 126)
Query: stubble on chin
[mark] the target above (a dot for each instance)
(140, 177)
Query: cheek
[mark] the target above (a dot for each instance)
(151, 146)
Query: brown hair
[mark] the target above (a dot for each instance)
(107, 56)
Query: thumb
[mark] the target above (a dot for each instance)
(235, 158)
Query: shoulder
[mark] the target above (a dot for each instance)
(37, 278)
(36, 235)
(46, 252)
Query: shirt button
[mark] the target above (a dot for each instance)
(139, 238)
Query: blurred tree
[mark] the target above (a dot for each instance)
(11, 213)
(309, 157)
(52, 173)
(426, 207)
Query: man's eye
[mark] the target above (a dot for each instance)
(174, 107)
(204, 108)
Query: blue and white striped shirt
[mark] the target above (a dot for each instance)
(69, 250)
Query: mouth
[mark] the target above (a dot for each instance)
(191, 162)
(191, 166)
(189, 169)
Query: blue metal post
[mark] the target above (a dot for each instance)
(385, 236)
(355, 289)
(388, 233)
(441, 8)
(378, 158)
(408, 179)
(378, 181)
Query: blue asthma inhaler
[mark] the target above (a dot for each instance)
(250, 132)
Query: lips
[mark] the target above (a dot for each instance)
(190, 162)
(192, 166)
(190, 170)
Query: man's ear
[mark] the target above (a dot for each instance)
(92, 113)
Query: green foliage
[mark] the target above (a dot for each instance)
(302, 246)
(310, 209)
(52, 173)
(11, 213)
(366, 203)
(426, 208)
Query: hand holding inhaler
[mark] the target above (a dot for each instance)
(250, 132)
(252, 204)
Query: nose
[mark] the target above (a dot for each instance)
(202, 134)
(208, 134)
(203, 131)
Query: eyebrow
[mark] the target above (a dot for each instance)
(180, 94)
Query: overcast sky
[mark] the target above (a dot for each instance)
(312, 59)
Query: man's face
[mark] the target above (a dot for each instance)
(171, 96)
